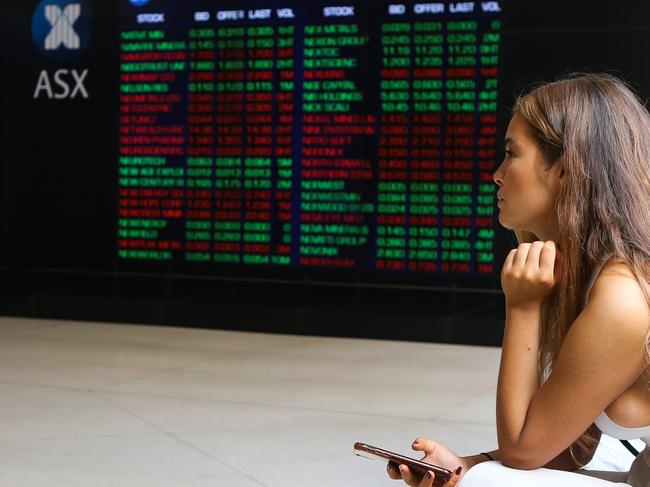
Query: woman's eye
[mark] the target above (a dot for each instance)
(508, 153)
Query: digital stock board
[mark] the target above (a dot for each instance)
(355, 135)
(317, 166)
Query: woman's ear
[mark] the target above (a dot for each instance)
(559, 164)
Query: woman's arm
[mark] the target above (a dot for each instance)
(518, 378)
(582, 453)
(600, 358)
(564, 461)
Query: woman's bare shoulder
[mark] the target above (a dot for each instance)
(618, 291)
(617, 271)
(617, 266)
(609, 332)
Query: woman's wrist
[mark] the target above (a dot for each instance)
(531, 307)
(473, 460)
(487, 455)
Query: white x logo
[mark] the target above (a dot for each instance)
(62, 22)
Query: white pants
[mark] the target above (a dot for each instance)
(493, 474)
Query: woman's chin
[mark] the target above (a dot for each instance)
(504, 222)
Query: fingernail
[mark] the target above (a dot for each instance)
(458, 470)
(415, 442)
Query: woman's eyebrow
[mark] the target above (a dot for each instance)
(508, 141)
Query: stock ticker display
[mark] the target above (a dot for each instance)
(357, 135)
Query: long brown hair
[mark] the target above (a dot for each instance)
(601, 131)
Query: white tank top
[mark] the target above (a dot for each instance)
(610, 428)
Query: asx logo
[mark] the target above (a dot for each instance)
(59, 87)
(62, 22)
(61, 31)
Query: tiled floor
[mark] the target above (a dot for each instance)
(91, 404)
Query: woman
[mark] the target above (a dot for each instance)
(575, 187)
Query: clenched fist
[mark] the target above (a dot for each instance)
(528, 274)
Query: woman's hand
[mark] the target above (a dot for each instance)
(434, 453)
(528, 274)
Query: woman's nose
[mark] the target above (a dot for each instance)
(497, 177)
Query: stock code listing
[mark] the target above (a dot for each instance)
(358, 135)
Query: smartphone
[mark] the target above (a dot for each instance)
(442, 474)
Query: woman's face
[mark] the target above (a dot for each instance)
(528, 187)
